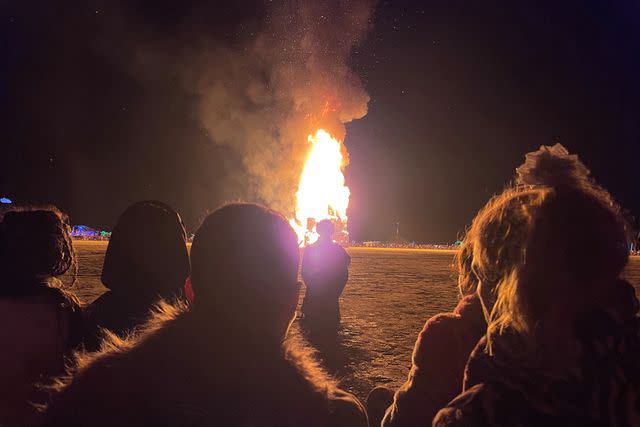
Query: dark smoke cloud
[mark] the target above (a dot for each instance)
(261, 86)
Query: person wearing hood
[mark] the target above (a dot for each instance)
(562, 344)
(40, 322)
(447, 339)
(147, 259)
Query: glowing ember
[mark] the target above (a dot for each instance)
(321, 192)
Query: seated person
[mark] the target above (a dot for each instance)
(224, 361)
(562, 345)
(325, 271)
(146, 259)
(447, 339)
(40, 322)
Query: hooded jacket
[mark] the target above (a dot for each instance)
(439, 359)
(601, 389)
(146, 259)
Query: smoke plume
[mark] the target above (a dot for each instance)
(265, 97)
(263, 89)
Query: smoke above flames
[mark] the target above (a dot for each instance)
(292, 78)
(261, 88)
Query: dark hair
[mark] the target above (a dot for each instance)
(35, 242)
(147, 252)
(325, 227)
(244, 261)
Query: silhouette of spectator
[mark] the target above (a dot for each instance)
(146, 259)
(443, 346)
(325, 271)
(562, 342)
(225, 361)
(40, 322)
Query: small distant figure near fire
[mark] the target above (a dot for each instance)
(325, 270)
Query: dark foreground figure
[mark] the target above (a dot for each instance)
(226, 360)
(40, 323)
(325, 271)
(146, 259)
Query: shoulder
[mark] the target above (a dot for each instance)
(89, 390)
(438, 340)
(346, 410)
(341, 249)
(69, 306)
(101, 309)
(123, 367)
(341, 252)
(346, 255)
(101, 300)
(464, 326)
(62, 298)
(468, 409)
(440, 328)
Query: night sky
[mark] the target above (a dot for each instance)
(459, 92)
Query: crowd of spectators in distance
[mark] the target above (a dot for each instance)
(406, 245)
(544, 333)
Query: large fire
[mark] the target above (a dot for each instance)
(321, 191)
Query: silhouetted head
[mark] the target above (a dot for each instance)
(147, 253)
(325, 229)
(34, 244)
(244, 270)
(575, 251)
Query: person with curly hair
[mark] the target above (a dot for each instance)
(41, 322)
(562, 344)
(447, 339)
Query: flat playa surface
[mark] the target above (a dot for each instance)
(390, 294)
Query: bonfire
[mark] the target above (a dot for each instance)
(322, 193)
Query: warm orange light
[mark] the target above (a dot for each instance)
(321, 191)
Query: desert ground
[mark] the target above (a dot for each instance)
(389, 296)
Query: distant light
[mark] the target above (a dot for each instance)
(5, 201)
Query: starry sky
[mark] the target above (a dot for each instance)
(458, 92)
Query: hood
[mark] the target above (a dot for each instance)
(147, 252)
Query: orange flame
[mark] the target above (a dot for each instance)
(321, 192)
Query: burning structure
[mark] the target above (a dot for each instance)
(322, 193)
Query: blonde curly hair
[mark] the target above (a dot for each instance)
(557, 251)
(495, 243)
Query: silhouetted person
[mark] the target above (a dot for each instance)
(226, 361)
(40, 323)
(325, 271)
(499, 231)
(562, 344)
(146, 259)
